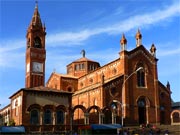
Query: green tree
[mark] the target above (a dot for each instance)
(11, 122)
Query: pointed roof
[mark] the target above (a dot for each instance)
(145, 52)
(138, 34)
(168, 85)
(123, 40)
(36, 20)
(153, 48)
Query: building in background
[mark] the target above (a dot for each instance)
(175, 114)
(126, 89)
(5, 115)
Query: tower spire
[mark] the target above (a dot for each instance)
(123, 42)
(153, 50)
(138, 38)
(36, 20)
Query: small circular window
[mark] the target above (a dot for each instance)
(69, 89)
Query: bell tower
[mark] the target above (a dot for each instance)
(35, 52)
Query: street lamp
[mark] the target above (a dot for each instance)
(121, 104)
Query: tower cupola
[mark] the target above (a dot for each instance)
(138, 38)
(82, 66)
(123, 42)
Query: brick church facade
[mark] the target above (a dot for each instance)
(126, 88)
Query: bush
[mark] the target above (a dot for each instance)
(11, 122)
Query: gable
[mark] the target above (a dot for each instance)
(141, 50)
(52, 79)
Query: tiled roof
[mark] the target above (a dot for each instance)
(47, 89)
(65, 75)
(84, 59)
(42, 89)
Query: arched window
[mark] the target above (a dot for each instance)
(141, 103)
(162, 108)
(28, 43)
(82, 65)
(162, 95)
(34, 117)
(60, 117)
(37, 42)
(141, 78)
(47, 116)
(76, 67)
(114, 92)
(16, 108)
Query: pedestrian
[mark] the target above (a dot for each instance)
(151, 132)
(166, 132)
(75, 133)
(128, 132)
(125, 132)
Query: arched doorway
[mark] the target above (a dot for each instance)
(78, 114)
(94, 114)
(142, 111)
(175, 117)
(107, 116)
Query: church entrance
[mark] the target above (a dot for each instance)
(142, 111)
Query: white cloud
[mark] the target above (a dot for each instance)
(11, 45)
(68, 38)
(7, 48)
(140, 20)
(169, 52)
(12, 53)
(59, 61)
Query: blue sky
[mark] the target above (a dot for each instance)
(93, 25)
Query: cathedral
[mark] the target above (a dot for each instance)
(125, 91)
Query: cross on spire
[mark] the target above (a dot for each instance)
(36, 20)
(36, 3)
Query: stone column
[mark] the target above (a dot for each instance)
(86, 118)
(65, 119)
(71, 121)
(100, 118)
(41, 120)
(147, 114)
(54, 118)
(172, 120)
(112, 118)
(115, 118)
